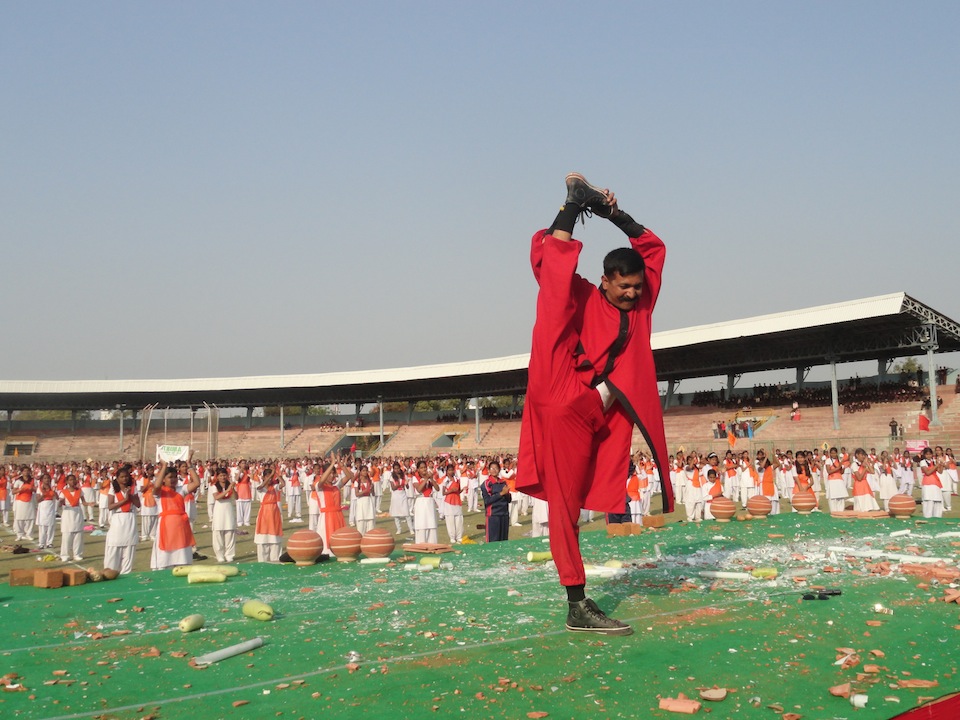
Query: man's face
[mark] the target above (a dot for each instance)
(622, 291)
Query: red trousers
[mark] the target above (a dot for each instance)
(572, 431)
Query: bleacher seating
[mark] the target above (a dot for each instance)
(689, 427)
(417, 439)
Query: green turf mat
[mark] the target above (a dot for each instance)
(484, 637)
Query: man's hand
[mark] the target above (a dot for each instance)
(607, 208)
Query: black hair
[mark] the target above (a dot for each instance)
(623, 262)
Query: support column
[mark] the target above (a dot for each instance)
(281, 427)
(668, 400)
(380, 405)
(460, 407)
(73, 421)
(513, 406)
(930, 347)
(303, 416)
(476, 418)
(800, 370)
(834, 392)
(731, 384)
(410, 406)
(882, 367)
(247, 424)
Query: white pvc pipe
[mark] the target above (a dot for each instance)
(725, 575)
(228, 652)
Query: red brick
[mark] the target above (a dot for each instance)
(74, 576)
(654, 521)
(48, 579)
(21, 577)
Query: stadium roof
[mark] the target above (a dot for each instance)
(882, 327)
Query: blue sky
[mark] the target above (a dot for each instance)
(241, 188)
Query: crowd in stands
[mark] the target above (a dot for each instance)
(853, 392)
(738, 428)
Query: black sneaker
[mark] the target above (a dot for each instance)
(587, 196)
(198, 556)
(585, 616)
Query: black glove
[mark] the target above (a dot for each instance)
(626, 223)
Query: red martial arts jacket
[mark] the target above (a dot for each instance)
(632, 378)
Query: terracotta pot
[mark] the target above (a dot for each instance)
(345, 544)
(378, 543)
(804, 502)
(759, 506)
(305, 546)
(902, 506)
(723, 508)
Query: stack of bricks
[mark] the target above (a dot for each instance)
(67, 577)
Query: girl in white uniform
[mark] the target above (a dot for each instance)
(365, 514)
(71, 521)
(931, 487)
(149, 510)
(425, 507)
(224, 537)
(46, 513)
(121, 542)
(24, 512)
(888, 484)
(399, 502)
(452, 504)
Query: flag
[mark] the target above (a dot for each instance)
(731, 438)
(924, 423)
(353, 448)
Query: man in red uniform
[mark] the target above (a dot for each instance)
(591, 379)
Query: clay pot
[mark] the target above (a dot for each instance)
(804, 502)
(378, 543)
(902, 506)
(305, 546)
(723, 508)
(345, 544)
(759, 506)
